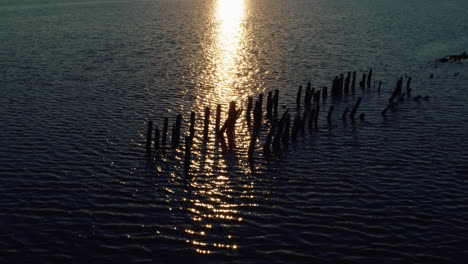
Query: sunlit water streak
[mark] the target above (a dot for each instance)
(223, 79)
(213, 202)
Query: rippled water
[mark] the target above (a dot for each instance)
(80, 79)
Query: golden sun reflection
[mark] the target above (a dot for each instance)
(229, 45)
(226, 52)
(216, 202)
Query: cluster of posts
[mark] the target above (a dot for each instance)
(280, 131)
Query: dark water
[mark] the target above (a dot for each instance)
(79, 80)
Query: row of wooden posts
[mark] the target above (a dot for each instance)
(281, 131)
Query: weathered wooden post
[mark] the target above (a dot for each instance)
(260, 102)
(341, 83)
(408, 89)
(176, 131)
(206, 124)
(353, 82)
(298, 98)
(369, 77)
(324, 93)
(218, 118)
(317, 96)
(347, 83)
(269, 105)
(275, 103)
(156, 138)
(362, 83)
(330, 112)
(230, 124)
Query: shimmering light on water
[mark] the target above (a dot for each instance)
(226, 50)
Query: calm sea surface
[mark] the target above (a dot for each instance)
(80, 79)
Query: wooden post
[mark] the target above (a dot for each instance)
(369, 77)
(178, 123)
(206, 124)
(330, 112)
(324, 93)
(164, 133)
(192, 125)
(408, 89)
(317, 96)
(218, 118)
(347, 83)
(353, 82)
(269, 105)
(230, 124)
(275, 103)
(260, 102)
(149, 134)
(355, 108)
(156, 138)
(341, 83)
(334, 90)
(298, 98)
(260, 107)
(397, 92)
(362, 83)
